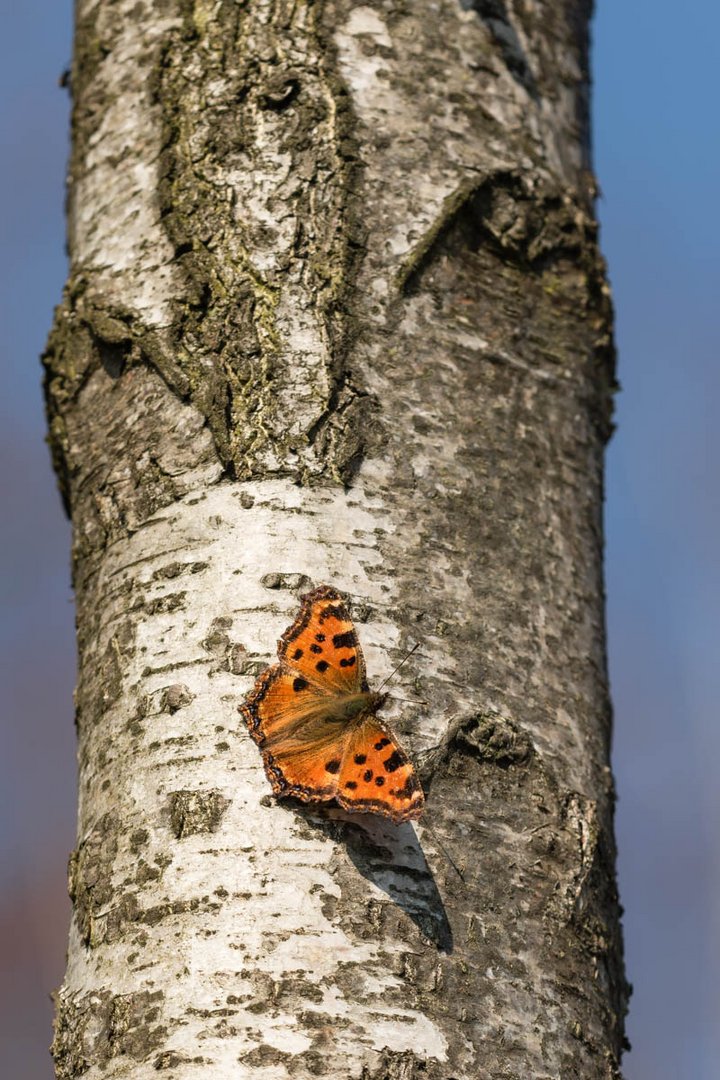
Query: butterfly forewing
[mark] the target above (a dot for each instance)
(280, 704)
(322, 645)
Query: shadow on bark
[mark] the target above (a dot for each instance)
(391, 857)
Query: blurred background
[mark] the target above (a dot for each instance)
(657, 156)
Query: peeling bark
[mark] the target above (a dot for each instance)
(336, 313)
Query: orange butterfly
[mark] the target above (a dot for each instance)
(314, 718)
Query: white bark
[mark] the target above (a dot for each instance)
(260, 879)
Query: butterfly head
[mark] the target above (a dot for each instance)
(377, 700)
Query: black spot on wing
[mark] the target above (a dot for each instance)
(379, 780)
(347, 661)
(319, 637)
(332, 766)
(348, 640)
(368, 775)
(333, 611)
(322, 665)
(394, 762)
(297, 654)
(360, 759)
(351, 785)
(315, 649)
(300, 684)
(382, 743)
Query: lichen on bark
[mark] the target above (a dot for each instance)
(258, 265)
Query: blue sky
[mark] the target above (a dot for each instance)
(657, 155)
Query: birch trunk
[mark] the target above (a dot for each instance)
(336, 314)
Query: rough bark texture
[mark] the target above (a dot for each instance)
(336, 314)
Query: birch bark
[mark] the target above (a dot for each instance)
(336, 314)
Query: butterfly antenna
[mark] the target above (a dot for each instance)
(395, 671)
(444, 850)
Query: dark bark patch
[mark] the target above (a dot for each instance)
(170, 1059)
(110, 675)
(194, 812)
(229, 655)
(239, 663)
(90, 877)
(245, 414)
(175, 697)
(217, 640)
(139, 839)
(400, 1065)
(92, 1029)
(280, 91)
(145, 873)
(264, 1056)
(164, 605)
(177, 569)
(285, 581)
(496, 17)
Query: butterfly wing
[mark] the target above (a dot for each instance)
(377, 776)
(322, 646)
(360, 765)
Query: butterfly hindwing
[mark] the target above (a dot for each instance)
(377, 776)
(308, 765)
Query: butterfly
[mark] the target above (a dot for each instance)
(315, 719)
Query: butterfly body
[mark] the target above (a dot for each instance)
(349, 707)
(315, 719)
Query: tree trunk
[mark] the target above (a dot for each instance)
(336, 314)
